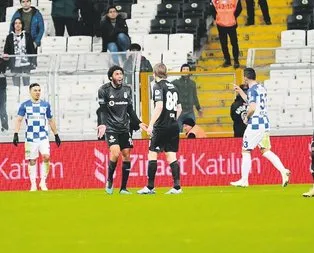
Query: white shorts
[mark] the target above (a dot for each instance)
(32, 149)
(256, 137)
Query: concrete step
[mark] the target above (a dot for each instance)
(259, 20)
(276, 28)
(247, 44)
(252, 37)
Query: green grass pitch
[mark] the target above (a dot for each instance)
(259, 219)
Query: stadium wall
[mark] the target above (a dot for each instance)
(204, 162)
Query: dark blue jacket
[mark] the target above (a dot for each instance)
(37, 24)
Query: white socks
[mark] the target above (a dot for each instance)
(246, 166)
(44, 170)
(274, 159)
(32, 172)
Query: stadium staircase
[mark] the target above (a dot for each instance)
(212, 90)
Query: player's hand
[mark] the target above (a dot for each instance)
(143, 126)
(237, 88)
(16, 139)
(57, 140)
(5, 57)
(150, 131)
(200, 113)
(101, 129)
(245, 120)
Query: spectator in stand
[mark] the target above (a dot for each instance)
(114, 32)
(225, 13)
(129, 64)
(3, 99)
(3, 7)
(88, 18)
(20, 44)
(192, 130)
(238, 113)
(64, 14)
(145, 65)
(188, 95)
(251, 15)
(33, 21)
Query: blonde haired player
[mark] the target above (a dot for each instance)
(257, 131)
(37, 114)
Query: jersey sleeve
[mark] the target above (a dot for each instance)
(48, 112)
(157, 93)
(252, 94)
(101, 96)
(22, 110)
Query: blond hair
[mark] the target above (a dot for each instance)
(160, 70)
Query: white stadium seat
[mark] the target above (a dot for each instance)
(293, 38)
(156, 42)
(79, 44)
(181, 42)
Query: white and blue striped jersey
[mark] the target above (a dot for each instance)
(36, 118)
(259, 120)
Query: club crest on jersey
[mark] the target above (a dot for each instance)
(125, 95)
(157, 92)
(112, 139)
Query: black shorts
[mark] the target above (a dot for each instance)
(165, 140)
(124, 140)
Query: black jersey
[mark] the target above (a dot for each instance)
(167, 93)
(116, 106)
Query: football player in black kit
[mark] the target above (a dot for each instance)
(164, 130)
(114, 115)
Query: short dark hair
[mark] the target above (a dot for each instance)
(249, 73)
(113, 69)
(111, 7)
(185, 65)
(33, 85)
(12, 24)
(28, 0)
(135, 47)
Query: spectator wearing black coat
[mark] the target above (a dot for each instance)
(114, 32)
(19, 43)
(3, 98)
(3, 7)
(238, 111)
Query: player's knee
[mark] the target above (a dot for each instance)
(46, 158)
(32, 162)
(171, 157)
(152, 156)
(246, 151)
(264, 150)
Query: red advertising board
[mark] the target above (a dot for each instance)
(203, 162)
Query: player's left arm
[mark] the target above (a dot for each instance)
(251, 109)
(179, 110)
(53, 126)
(133, 116)
(155, 115)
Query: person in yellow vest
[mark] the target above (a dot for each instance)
(225, 13)
(192, 130)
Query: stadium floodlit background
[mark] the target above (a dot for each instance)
(75, 215)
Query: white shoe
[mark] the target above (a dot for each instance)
(33, 188)
(240, 183)
(109, 187)
(310, 193)
(43, 186)
(125, 192)
(146, 190)
(174, 191)
(285, 177)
